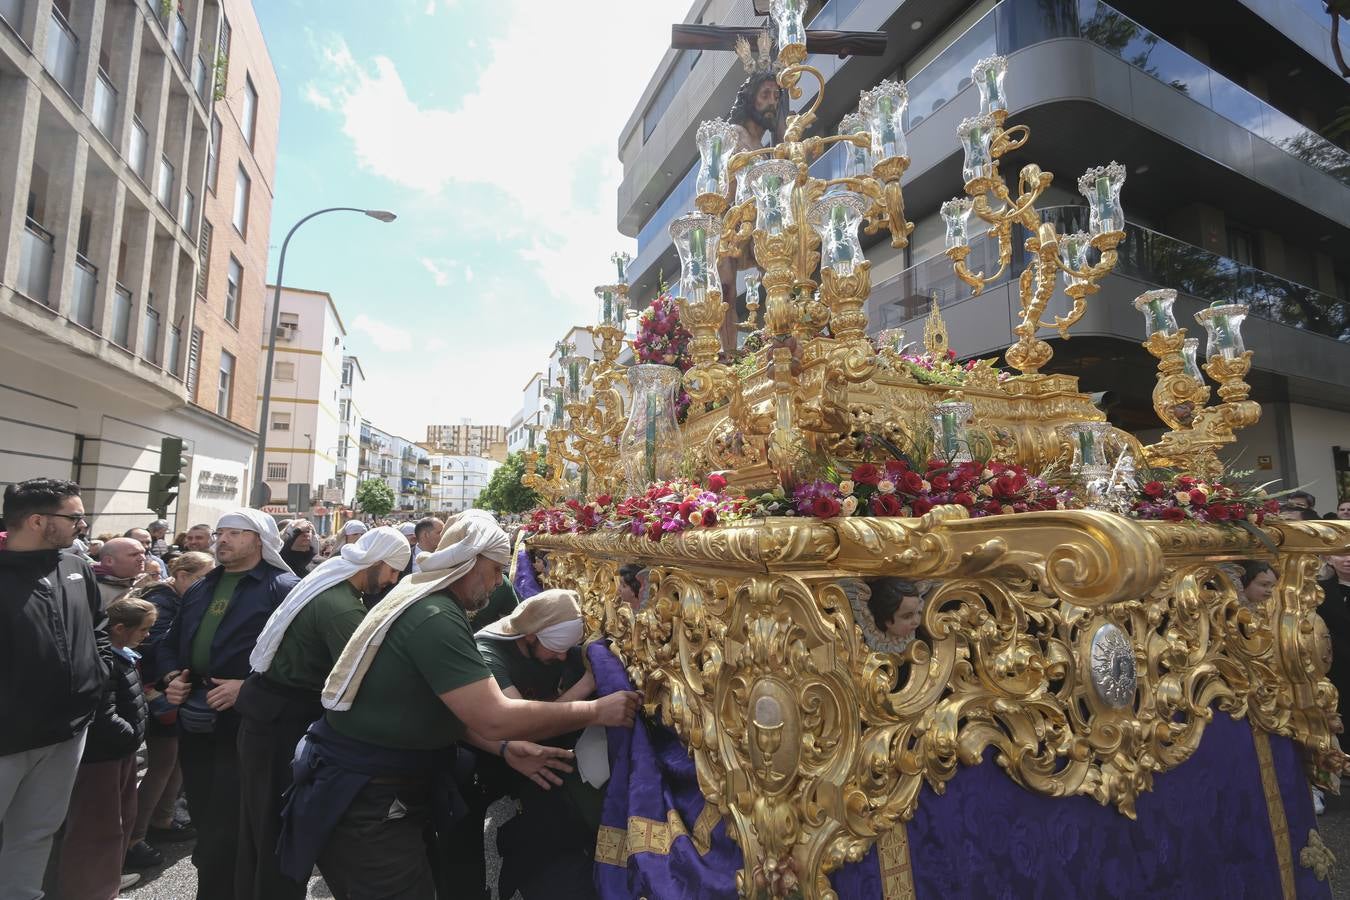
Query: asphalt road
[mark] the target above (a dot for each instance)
(177, 880)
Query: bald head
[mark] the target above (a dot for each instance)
(141, 535)
(123, 557)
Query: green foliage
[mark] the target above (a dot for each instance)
(504, 493)
(222, 72)
(375, 497)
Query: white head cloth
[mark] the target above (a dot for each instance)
(467, 536)
(561, 637)
(408, 529)
(384, 545)
(356, 526)
(264, 526)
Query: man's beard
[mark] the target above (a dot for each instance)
(476, 603)
(764, 118)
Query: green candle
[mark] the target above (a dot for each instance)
(949, 441)
(1087, 448)
(1157, 318)
(585, 479)
(649, 447)
(574, 379)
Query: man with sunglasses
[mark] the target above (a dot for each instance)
(54, 642)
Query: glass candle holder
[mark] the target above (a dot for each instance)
(1189, 348)
(884, 106)
(835, 218)
(975, 134)
(621, 261)
(716, 142)
(555, 396)
(1089, 449)
(1157, 309)
(744, 179)
(787, 17)
(988, 75)
(772, 182)
(1101, 186)
(956, 216)
(752, 283)
(613, 305)
(574, 367)
(1073, 255)
(857, 160)
(1223, 324)
(696, 236)
(949, 429)
(651, 446)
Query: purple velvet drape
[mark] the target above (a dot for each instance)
(526, 584)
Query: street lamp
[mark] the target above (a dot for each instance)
(260, 491)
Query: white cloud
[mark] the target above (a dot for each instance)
(515, 132)
(317, 97)
(468, 273)
(439, 274)
(434, 345)
(386, 337)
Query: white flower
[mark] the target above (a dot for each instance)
(848, 506)
(846, 487)
(886, 487)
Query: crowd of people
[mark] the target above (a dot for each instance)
(353, 705)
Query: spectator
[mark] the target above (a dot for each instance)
(51, 600)
(120, 564)
(298, 548)
(1343, 508)
(1335, 612)
(293, 657)
(1293, 512)
(95, 548)
(1258, 583)
(154, 569)
(159, 537)
(103, 805)
(197, 539)
(352, 531)
(141, 535)
(1301, 499)
(163, 779)
(205, 658)
(409, 685)
(426, 536)
(409, 531)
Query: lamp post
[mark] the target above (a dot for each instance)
(260, 492)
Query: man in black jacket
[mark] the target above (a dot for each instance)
(1335, 611)
(54, 658)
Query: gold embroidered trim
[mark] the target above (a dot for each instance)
(614, 845)
(703, 827)
(1279, 823)
(897, 877)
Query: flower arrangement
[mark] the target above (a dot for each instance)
(665, 508)
(662, 339)
(894, 488)
(1178, 498)
(943, 368)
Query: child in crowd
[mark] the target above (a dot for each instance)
(103, 805)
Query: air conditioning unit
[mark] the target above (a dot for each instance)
(286, 332)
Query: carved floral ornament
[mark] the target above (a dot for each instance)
(812, 744)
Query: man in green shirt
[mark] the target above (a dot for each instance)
(294, 654)
(408, 685)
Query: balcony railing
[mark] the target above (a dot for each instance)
(199, 81)
(105, 104)
(179, 36)
(63, 49)
(164, 184)
(35, 261)
(150, 339)
(86, 290)
(175, 350)
(1147, 255)
(121, 317)
(12, 12)
(137, 144)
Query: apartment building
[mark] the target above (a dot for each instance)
(1233, 191)
(304, 427)
(350, 397)
(468, 439)
(457, 481)
(107, 108)
(527, 427)
(400, 463)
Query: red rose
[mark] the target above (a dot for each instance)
(920, 506)
(1005, 488)
(716, 482)
(964, 499)
(1154, 489)
(574, 505)
(936, 464)
(709, 517)
(1218, 512)
(911, 483)
(1173, 514)
(939, 482)
(866, 473)
(654, 530)
(604, 500)
(686, 508)
(1198, 498)
(824, 507)
(895, 468)
(992, 507)
(885, 505)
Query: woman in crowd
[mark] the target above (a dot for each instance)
(163, 780)
(297, 548)
(103, 805)
(630, 585)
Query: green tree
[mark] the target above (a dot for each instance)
(374, 497)
(504, 493)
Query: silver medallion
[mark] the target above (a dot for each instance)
(1113, 672)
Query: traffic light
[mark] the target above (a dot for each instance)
(165, 483)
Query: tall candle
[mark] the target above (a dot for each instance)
(949, 442)
(649, 450)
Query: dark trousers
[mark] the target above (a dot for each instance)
(210, 765)
(460, 848)
(378, 850)
(270, 726)
(98, 830)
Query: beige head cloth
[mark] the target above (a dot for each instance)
(553, 616)
(469, 535)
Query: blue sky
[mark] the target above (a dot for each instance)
(499, 159)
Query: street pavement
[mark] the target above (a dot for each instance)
(177, 880)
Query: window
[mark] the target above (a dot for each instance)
(203, 256)
(347, 373)
(225, 389)
(250, 120)
(225, 34)
(194, 363)
(277, 471)
(283, 371)
(1241, 245)
(281, 421)
(213, 155)
(164, 187)
(344, 410)
(233, 278)
(242, 185)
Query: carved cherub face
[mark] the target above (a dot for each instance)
(906, 619)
